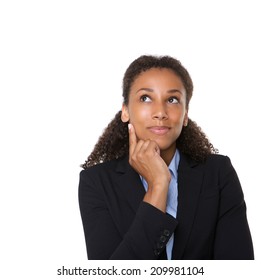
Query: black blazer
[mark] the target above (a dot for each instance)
(211, 218)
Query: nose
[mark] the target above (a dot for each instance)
(160, 112)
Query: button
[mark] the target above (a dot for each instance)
(156, 252)
(163, 238)
(166, 232)
(160, 245)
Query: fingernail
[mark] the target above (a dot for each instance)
(129, 126)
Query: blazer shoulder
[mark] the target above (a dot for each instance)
(218, 162)
(211, 161)
(217, 159)
(104, 168)
(213, 164)
(219, 165)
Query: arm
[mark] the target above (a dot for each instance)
(104, 241)
(144, 157)
(233, 239)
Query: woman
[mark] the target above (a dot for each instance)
(154, 187)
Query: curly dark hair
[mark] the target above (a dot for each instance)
(114, 142)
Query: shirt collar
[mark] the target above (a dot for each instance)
(174, 164)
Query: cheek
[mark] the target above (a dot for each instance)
(177, 116)
(139, 116)
(139, 119)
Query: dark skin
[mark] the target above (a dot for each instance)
(156, 112)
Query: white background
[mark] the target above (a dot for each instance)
(61, 69)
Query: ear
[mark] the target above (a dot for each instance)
(185, 121)
(125, 114)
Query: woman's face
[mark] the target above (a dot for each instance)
(157, 108)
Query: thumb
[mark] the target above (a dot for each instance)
(132, 138)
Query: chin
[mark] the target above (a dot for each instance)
(165, 146)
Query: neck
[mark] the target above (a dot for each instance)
(167, 155)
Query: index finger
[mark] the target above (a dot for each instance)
(132, 139)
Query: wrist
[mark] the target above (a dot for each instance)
(160, 183)
(157, 196)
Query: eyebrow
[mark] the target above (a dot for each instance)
(151, 90)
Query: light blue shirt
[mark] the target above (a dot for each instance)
(172, 199)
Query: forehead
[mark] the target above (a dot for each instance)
(155, 77)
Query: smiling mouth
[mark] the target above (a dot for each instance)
(159, 130)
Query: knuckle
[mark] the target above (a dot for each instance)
(148, 151)
(139, 156)
(133, 158)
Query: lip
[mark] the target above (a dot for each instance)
(159, 130)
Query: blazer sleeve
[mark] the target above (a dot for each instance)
(233, 238)
(145, 239)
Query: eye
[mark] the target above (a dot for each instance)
(145, 98)
(173, 100)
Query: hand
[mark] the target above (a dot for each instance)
(144, 157)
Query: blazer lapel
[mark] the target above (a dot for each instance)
(129, 184)
(189, 186)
